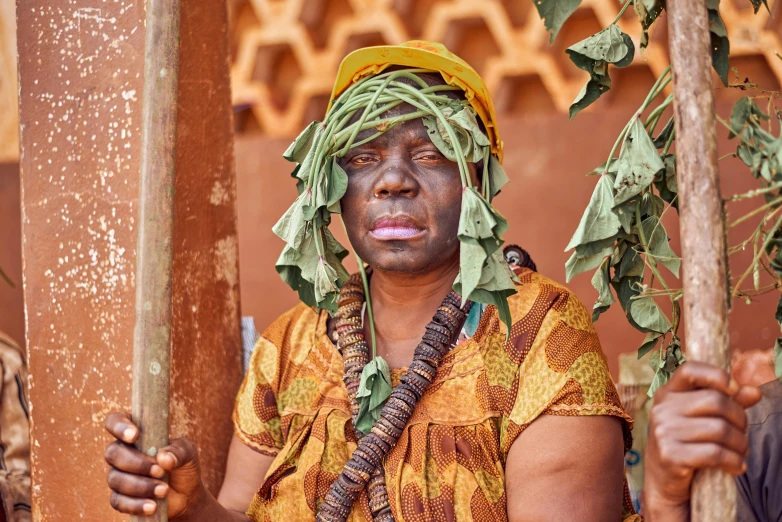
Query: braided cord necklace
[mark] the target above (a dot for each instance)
(365, 467)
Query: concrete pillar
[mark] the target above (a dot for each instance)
(81, 74)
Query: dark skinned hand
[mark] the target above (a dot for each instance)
(698, 421)
(135, 478)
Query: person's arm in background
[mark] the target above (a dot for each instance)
(698, 421)
(14, 435)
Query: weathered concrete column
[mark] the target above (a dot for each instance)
(81, 74)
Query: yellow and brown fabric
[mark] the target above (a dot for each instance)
(449, 462)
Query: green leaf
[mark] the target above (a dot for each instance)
(325, 280)
(720, 45)
(648, 316)
(659, 248)
(608, 45)
(601, 283)
(778, 358)
(298, 150)
(464, 124)
(494, 288)
(599, 220)
(745, 113)
(373, 392)
(650, 341)
(337, 186)
(626, 213)
(555, 13)
(593, 55)
(638, 163)
(291, 226)
(631, 265)
(497, 176)
(471, 259)
(306, 168)
(662, 138)
(667, 185)
(626, 290)
(580, 264)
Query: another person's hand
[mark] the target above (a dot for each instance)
(135, 478)
(698, 421)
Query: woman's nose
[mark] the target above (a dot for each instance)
(396, 180)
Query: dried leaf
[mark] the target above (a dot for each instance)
(648, 11)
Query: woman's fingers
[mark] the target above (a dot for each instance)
(180, 453)
(135, 485)
(121, 427)
(130, 460)
(132, 506)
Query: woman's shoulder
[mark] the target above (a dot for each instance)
(539, 301)
(296, 324)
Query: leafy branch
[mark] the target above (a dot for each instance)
(621, 235)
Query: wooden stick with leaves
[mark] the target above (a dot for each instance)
(621, 235)
(702, 224)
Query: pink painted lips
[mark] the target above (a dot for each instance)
(396, 228)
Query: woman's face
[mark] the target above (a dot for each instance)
(403, 201)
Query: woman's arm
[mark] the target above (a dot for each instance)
(566, 468)
(244, 474)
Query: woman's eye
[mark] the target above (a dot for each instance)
(428, 156)
(361, 160)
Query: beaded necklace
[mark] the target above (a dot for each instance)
(365, 469)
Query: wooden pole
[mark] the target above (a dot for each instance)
(152, 335)
(704, 254)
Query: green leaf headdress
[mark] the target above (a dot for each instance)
(311, 262)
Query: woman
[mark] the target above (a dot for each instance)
(507, 410)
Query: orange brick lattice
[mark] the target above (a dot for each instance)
(286, 52)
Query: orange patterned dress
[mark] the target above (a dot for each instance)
(449, 463)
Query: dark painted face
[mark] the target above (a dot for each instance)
(403, 201)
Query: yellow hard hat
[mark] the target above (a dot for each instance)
(420, 54)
